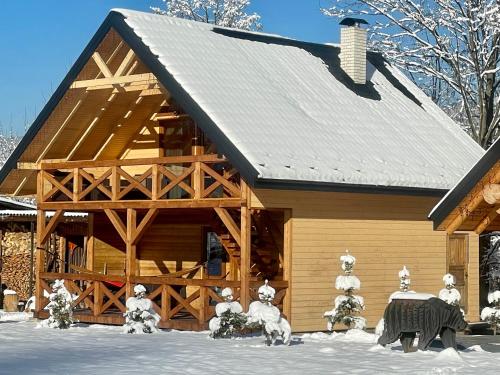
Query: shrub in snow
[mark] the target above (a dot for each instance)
(348, 306)
(140, 316)
(230, 318)
(404, 280)
(266, 316)
(60, 309)
(492, 314)
(450, 294)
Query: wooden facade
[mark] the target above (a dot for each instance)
(118, 146)
(384, 232)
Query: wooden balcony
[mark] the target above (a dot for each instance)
(166, 182)
(181, 302)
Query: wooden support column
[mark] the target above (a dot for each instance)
(131, 254)
(246, 248)
(90, 243)
(197, 176)
(287, 263)
(40, 260)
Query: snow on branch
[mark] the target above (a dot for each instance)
(226, 13)
(449, 48)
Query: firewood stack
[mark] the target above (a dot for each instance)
(16, 247)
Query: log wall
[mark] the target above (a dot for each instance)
(384, 232)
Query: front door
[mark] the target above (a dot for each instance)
(458, 259)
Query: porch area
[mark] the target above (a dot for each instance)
(181, 226)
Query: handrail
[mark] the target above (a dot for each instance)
(52, 165)
(81, 276)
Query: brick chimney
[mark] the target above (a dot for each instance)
(353, 49)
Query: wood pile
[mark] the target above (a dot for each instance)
(16, 247)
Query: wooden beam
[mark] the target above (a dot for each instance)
(90, 243)
(231, 226)
(101, 65)
(114, 218)
(245, 248)
(491, 193)
(46, 229)
(62, 165)
(143, 77)
(91, 126)
(26, 165)
(473, 203)
(142, 204)
(39, 262)
(146, 222)
(487, 220)
(131, 253)
(125, 63)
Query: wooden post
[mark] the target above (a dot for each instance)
(197, 176)
(62, 254)
(90, 243)
(40, 260)
(32, 257)
(287, 263)
(246, 248)
(131, 261)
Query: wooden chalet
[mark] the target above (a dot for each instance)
(208, 158)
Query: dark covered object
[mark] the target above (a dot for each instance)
(405, 317)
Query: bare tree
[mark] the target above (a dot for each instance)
(227, 13)
(450, 48)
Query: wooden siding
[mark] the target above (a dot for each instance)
(169, 248)
(164, 248)
(384, 232)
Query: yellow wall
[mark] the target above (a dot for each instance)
(383, 232)
(164, 248)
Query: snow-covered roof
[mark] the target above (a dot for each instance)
(15, 204)
(451, 201)
(289, 109)
(34, 213)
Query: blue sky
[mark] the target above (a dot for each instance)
(40, 40)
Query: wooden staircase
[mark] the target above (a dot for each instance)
(264, 260)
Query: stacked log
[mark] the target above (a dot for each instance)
(16, 249)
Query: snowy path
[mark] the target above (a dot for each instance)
(104, 350)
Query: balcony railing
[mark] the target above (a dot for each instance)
(181, 302)
(178, 181)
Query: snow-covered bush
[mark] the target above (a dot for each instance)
(60, 309)
(348, 306)
(230, 318)
(266, 316)
(140, 316)
(449, 293)
(404, 280)
(492, 314)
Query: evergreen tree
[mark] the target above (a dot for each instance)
(262, 314)
(492, 314)
(230, 319)
(450, 294)
(60, 309)
(140, 316)
(404, 280)
(348, 306)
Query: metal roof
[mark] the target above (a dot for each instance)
(291, 111)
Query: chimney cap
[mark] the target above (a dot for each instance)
(348, 21)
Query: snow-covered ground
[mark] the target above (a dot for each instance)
(97, 349)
